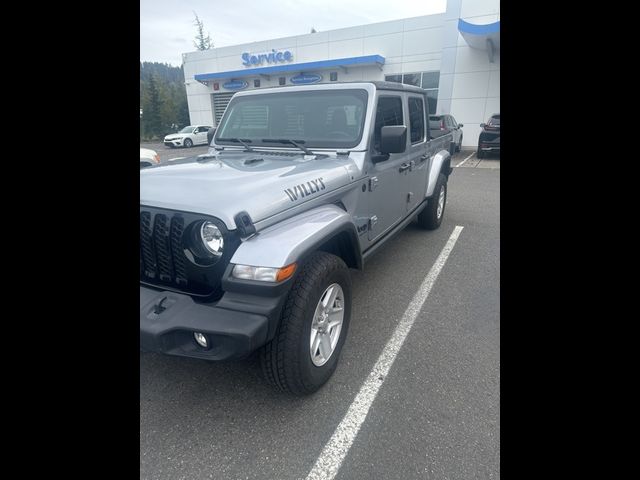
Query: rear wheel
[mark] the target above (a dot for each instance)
(431, 217)
(315, 318)
(188, 143)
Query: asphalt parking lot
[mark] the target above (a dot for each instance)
(437, 413)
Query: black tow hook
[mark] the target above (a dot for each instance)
(158, 308)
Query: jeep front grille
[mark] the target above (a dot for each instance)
(164, 247)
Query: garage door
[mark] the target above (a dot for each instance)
(220, 102)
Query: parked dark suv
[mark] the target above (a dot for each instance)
(489, 140)
(442, 125)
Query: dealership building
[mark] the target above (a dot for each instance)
(454, 55)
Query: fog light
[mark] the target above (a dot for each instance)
(201, 339)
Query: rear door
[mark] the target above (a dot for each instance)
(417, 151)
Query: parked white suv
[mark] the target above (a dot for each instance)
(188, 137)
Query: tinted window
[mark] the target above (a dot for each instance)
(432, 100)
(393, 78)
(495, 120)
(389, 112)
(416, 119)
(321, 118)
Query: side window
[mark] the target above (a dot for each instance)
(416, 119)
(388, 112)
(454, 124)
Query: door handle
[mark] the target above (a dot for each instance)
(424, 158)
(403, 167)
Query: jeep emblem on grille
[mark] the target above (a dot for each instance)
(305, 189)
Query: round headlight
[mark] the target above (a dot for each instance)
(212, 238)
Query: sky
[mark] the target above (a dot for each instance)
(167, 26)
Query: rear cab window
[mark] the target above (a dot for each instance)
(416, 119)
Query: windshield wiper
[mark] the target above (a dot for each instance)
(237, 140)
(295, 143)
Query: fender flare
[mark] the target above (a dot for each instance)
(441, 160)
(294, 238)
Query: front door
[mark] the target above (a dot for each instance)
(387, 182)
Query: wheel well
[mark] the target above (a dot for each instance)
(341, 245)
(446, 167)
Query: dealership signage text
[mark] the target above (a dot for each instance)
(272, 57)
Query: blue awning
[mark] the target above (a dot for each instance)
(482, 37)
(295, 67)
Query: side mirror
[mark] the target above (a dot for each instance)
(460, 125)
(482, 125)
(393, 139)
(210, 134)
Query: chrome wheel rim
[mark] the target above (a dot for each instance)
(326, 325)
(440, 202)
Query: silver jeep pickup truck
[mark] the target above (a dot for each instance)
(249, 246)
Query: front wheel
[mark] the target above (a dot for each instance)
(188, 143)
(431, 217)
(313, 326)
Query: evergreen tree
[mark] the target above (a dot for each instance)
(202, 42)
(151, 118)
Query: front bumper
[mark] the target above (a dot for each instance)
(236, 325)
(173, 143)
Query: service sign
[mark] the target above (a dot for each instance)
(235, 85)
(305, 78)
(274, 56)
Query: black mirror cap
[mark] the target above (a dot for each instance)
(210, 134)
(482, 125)
(460, 125)
(393, 139)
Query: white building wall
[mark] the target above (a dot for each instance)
(469, 86)
(408, 45)
(469, 83)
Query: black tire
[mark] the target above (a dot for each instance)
(187, 143)
(428, 218)
(479, 154)
(459, 147)
(286, 360)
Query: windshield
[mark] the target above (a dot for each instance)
(318, 118)
(186, 130)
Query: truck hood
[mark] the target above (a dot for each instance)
(260, 184)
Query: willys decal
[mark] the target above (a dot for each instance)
(305, 189)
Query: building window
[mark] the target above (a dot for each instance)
(282, 80)
(427, 80)
(411, 79)
(430, 80)
(256, 83)
(333, 76)
(416, 119)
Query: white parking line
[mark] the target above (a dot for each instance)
(460, 164)
(336, 449)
